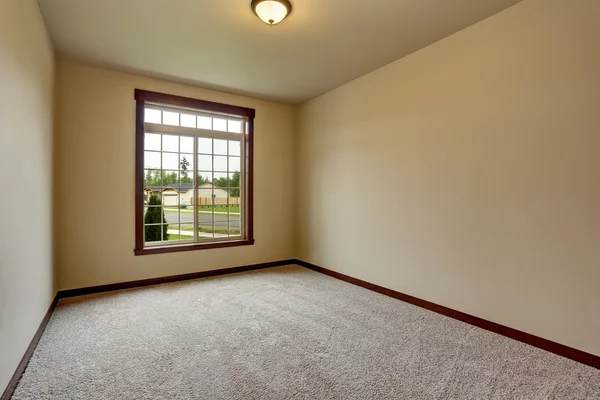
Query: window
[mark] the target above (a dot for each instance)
(194, 184)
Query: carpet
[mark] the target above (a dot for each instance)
(282, 333)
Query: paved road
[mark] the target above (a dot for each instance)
(204, 219)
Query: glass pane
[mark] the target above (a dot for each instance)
(205, 231)
(188, 120)
(187, 144)
(174, 233)
(220, 179)
(152, 178)
(204, 177)
(220, 124)
(152, 141)
(151, 160)
(171, 212)
(204, 146)
(170, 143)
(234, 126)
(152, 116)
(186, 213)
(187, 231)
(170, 118)
(220, 163)
(170, 179)
(205, 196)
(154, 216)
(155, 233)
(220, 147)
(170, 197)
(170, 161)
(234, 164)
(234, 195)
(234, 180)
(234, 148)
(186, 162)
(205, 163)
(205, 123)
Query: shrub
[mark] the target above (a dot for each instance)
(155, 215)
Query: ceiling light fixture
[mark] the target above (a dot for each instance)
(271, 12)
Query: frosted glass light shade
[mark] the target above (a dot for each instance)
(271, 12)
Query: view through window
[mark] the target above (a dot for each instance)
(195, 189)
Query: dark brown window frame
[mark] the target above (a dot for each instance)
(143, 96)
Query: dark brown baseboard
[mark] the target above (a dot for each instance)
(167, 279)
(536, 341)
(14, 381)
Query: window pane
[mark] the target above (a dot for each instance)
(234, 164)
(170, 198)
(204, 146)
(234, 180)
(205, 123)
(174, 233)
(156, 233)
(220, 147)
(220, 163)
(186, 198)
(171, 212)
(220, 124)
(170, 161)
(188, 120)
(205, 196)
(170, 179)
(187, 231)
(170, 118)
(152, 141)
(234, 126)
(152, 177)
(220, 179)
(204, 177)
(187, 144)
(205, 163)
(154, 229)
(234, 195)
(151, 160)
(186, 162)
(170, 143)
(234, 148)
(152, 116)
(205, 231)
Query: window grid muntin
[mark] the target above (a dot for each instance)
(213, 135)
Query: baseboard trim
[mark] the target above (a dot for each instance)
(14, 381)
(168, 279)
(536, 341)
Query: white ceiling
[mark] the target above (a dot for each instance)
(221, 44)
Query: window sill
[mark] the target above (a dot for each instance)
(192, 247)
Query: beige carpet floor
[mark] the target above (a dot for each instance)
(282, 333)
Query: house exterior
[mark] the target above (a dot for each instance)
(174, 195)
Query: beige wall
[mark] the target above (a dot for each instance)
(95, 140)
(487, 147)
(26, 85)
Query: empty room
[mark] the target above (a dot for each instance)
(300, 199)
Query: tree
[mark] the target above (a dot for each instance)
(184, 170)
(155, 215)
(170, 178)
